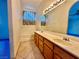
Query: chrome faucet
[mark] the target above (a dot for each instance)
(66, 39)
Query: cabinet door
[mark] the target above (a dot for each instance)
(48, 53)
(57, 56)
(41, 45)
(60, 52)
(36, 39)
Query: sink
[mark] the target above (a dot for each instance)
(62, 42)
(52, 36)
(59, 40)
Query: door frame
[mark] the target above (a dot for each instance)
(9, 2)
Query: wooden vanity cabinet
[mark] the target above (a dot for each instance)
(48, 49)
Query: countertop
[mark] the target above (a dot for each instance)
(71, 46)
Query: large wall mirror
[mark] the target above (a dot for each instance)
(73, 20)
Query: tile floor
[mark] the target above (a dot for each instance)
(28, 50)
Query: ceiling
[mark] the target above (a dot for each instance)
(36, 4)
(31, 4)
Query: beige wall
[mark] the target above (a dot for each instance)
(57, 20)
(16, 19)
(15, 23)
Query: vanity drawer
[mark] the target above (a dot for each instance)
(48, 43)
(41, 42)
(40, 37)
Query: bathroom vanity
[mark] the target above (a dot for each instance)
(52, 47)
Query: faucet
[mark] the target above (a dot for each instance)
(66, 39)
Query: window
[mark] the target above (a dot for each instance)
(73, 24)
(29, 17)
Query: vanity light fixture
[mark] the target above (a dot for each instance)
(53, 5)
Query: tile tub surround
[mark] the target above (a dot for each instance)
(73, 48)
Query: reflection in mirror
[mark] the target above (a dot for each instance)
(43, 20)
(73, 20)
